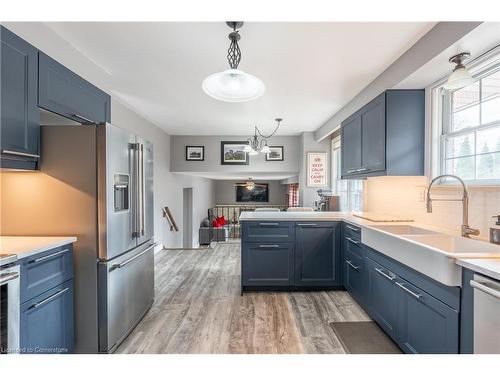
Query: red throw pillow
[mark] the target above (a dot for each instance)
(219, 222)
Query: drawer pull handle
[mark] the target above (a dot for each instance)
(352, 170)
(401, 285)
(48, 299)
(269, 224)
(356, 268)
(123, 264)
(351, 240)
(4, 277)
(269, 246)
(362, 169)
(391, 278)
(85, 119)
(307, 224)
(49, 256)
(17, 153)
(352, 228)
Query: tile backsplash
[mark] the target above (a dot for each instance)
(405, 196)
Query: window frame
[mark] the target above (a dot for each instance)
(335, 177)
(440, 120)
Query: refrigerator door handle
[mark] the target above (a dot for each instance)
(135, 173)
(142, 182)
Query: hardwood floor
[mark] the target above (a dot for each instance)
(198, 309)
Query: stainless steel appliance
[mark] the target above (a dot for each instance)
(328, 201)
(486, 315)
(9, 304)
(97, 185)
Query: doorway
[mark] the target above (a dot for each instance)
(187, 218)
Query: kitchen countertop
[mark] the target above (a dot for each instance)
(23, 246)
(488, 267)
(349, 217)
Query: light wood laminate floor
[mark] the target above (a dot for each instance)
(198, 309)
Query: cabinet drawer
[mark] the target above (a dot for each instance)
(355, 275)
(352, 231)
(268, 231)
(267, 264)
(46, 322)
(425, 325)
(45, 271)
(63, 92)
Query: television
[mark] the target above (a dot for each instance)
(259, 194)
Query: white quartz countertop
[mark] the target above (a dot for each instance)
(488, 267)
(350, 218)
(26, 246)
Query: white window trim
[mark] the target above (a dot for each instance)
(434, 143)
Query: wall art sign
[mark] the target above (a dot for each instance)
(317, 169)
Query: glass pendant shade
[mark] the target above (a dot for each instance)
(265, 149)
(253, 152)
(247, 148)
(233, 85)
(458, 79)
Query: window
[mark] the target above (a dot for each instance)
(470, 132)
(350, 191)
(293, 195)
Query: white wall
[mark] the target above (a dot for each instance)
(308, 195)
(168, 186)
(225, 192)
(212, 164)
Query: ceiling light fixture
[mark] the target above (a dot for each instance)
(233, 85)
(255, 145)
(460, 76)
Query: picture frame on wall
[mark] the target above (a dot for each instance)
(276, 154)
(233, 153)
(195, 153)
(317, 167)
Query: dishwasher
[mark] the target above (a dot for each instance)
(486, 315)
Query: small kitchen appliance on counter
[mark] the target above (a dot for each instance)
(328, 201)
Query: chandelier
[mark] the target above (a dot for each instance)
(233, 85)
(254, 144)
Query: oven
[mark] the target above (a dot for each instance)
(9, 305)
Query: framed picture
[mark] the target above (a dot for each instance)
(317, 169)
(232, 153)
(195, 153)
(276, 154)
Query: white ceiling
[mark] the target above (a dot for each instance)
(483, 38)
(310, 69)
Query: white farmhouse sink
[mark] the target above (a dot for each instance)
(433, 255)
(458, 247)
(403, 229)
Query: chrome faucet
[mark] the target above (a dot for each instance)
(466, 230)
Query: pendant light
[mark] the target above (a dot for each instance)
(233, 85)
(460, 76)
(254, 145)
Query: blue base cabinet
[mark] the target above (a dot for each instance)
(47, 322)
(383, 297)
(316, 254)
(354, 271)
(267, 264)
(46, 290)
(289, 255)
(419, 314)
(425, 325)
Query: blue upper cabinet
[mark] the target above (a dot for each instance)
(63, 92)
(385, 137)
(20, 123)
(317, 254)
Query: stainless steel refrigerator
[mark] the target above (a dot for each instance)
(98, 186)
